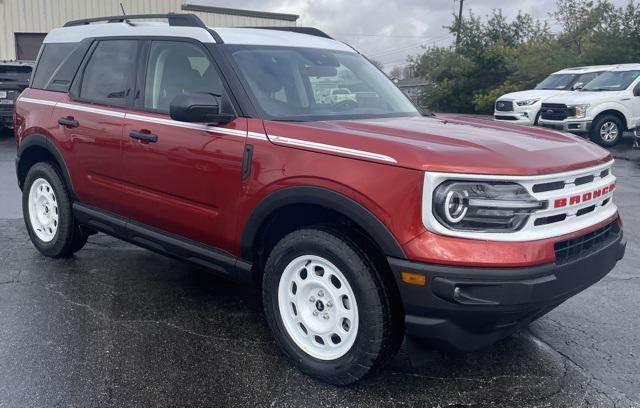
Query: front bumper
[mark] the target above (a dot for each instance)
(520, 115)
(571, 126)
(466, 308)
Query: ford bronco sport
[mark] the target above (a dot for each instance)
(365, 224)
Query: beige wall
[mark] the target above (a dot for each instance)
(40, 16)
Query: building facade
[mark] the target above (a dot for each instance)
(24, 23)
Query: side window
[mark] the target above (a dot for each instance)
(51, 57)
(107, 76)
(175, 67)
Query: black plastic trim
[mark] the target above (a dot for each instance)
(325, 198)
(44, 142)
(164, 243)
(246, 161)
(466, 308)
(174, 19)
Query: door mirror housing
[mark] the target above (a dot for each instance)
(578, 85)
(198, 107)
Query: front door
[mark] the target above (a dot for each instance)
(182, 178)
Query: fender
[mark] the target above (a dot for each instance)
(38, 140)
(325, 198)
(613, 106)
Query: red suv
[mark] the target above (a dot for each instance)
(364, 221)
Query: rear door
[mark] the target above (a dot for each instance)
(186, 177)
(92, 118)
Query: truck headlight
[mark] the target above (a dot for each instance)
(483, 206)
(528, 102)
(580, 110)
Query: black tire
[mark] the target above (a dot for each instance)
(536, 121)
(598, 126)
(376, 340)
(68, 238)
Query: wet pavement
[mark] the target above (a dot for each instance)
(121, 326)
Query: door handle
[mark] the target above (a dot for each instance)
(143, 135)
(69, 122)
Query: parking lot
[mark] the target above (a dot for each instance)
(117, 325)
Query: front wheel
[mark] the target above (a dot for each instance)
(327, 306)
(46, 208)
(607, 130)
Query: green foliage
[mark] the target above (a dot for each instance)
(484, 102)
(495, 56)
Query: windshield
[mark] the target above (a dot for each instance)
(558, 82)
(15, 73)
(612, 81)
(292, 84)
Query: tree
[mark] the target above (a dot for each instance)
(396, 72)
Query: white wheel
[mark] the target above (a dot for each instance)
(318, 307)
(43, 210)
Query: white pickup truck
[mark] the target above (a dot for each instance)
(523, 107)
(603, 109)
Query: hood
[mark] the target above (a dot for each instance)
(533, 93)
(586, 97)
(448, 143)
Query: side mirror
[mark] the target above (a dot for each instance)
(578, 85)
(636, 91)
(198, 108)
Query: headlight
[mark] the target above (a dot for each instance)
(528, 102)
(483, 206)
(580, 110)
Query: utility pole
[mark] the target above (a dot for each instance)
(459, 28)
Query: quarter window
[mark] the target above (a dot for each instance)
(51, 58)
(175, 67)
(107, 76)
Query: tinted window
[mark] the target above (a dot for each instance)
(292, 84)
(50, 60)
(15, 73)
(175, 67)
(586, 78)
(557, 81)
(107, 76)
(612, 81)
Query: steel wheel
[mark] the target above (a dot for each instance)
(43, 210)
(318, 307)
(609, 131)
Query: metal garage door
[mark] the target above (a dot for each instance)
(28, 45)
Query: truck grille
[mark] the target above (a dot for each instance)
(504, 106)
(574, 248)
(556, 111)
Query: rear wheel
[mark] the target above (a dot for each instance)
(46, 208)
(327, 306)
(607, 130)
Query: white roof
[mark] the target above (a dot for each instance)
(586, 69)
(627, 67)
(249, 36)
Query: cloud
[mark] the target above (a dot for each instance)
(388, 30)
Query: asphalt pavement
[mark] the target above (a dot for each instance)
(120, 326)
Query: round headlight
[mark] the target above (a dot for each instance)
(455, 207)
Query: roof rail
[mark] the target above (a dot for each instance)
(175, 19)
(301, 30)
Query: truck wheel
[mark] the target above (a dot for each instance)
(47, 213)
(327, 306)
(607, 130)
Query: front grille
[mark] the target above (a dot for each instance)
(555, 111)
(504, 106)
(574, 248)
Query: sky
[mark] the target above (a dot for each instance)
(388, 30)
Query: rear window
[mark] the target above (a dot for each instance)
(51, 58)
(15, 73)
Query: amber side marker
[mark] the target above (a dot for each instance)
(414, 278)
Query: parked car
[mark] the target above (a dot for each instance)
(603, 109)
(14, 78)
(523, 107)
(362, 227)
(338, 95)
